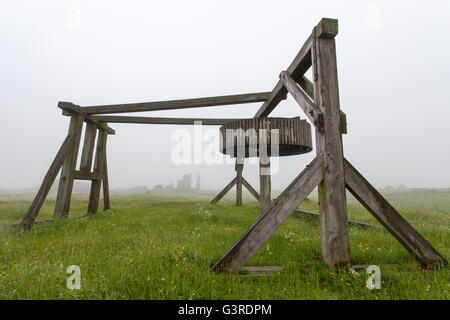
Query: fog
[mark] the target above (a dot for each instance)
(393, 65)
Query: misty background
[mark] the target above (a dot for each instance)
(393, 65)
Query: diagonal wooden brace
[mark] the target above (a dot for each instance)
(261, 230)
(250, 189)
(49, 178)
(224, 191)
(374, 202)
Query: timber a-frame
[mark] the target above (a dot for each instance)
(318, 98)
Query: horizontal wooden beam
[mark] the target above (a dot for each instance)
(296, 70)
(86, 175)
(152, 120)
(179, 104)
(69, 108)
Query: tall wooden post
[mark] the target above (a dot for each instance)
(68, 170)
(264, 184)
(105, 181)
(239, 167)
(94, 196)
(332, 201)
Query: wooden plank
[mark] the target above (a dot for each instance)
(94, 195)
(87, 153)
(64, 195)
(239, 168)
(224, 191)
(250, 188)
(69, 108)
(49, 178)
(165, 121)
(374, 202)
(106, 197)
(179, 104)
(261, 230)
(296, 70)
(86, 175)
(309, 108)
(332, 200)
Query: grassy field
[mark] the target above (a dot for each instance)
(150, 247)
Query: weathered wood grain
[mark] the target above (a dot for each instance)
(224, 191)
(94, 196)
(64, 195)
(374, 202)
(261, 230)
(87, 153)
(306, 104)
(179, 104)
(105, 185)
(332, 200)
(165, 121)
(69, 108)
(239, 168)
(46, 185)
(86, 175)
(265, 185)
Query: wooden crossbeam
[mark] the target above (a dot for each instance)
(49, 178)
(261, 230)
(248, 186)
(70, 108)
(166, 121)
(224, 191)
(374, 202)
(86, 175)
(179, 104)
(296, 70)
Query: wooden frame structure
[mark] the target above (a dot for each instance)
(329, 171)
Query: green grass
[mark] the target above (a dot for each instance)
(161, 248)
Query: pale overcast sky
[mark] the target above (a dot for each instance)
(393, 64)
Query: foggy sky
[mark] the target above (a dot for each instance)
(393, 66)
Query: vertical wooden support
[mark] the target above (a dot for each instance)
(94, 196)
(239, 167)
(68, 170)
(88, 147)
(332, 201)
(264, 184)
(106, 198)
